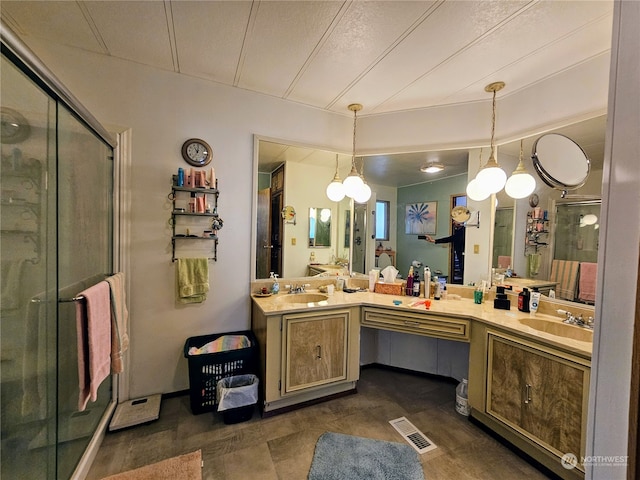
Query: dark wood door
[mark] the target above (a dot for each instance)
(263, 236)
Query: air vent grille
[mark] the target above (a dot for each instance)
(412, 435)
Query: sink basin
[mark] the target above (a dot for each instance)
(556, 327)
(302, 298)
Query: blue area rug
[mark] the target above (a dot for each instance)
(345, 457)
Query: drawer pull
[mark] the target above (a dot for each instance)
(410, 323)
(527, 390)
(319, 351)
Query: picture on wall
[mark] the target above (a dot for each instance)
(420, 218)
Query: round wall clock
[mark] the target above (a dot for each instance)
(15, 127)
(197, 152)
(533, 200)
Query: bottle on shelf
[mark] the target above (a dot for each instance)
(416, 283)
(409, 287)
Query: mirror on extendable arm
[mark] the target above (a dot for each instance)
(560, 162)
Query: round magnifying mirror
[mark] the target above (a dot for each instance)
(560, 162)
(460, 214)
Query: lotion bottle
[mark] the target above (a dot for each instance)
(534, 300)
(427, 282)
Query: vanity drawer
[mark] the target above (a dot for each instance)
(431, 325)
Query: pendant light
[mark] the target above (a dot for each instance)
(364, 193)
(353, 183)
(474, 188)
(491, 176)
(521, 183)
(335, 190)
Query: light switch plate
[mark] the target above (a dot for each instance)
(476, 248)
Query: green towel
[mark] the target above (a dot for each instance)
(533, 264)
(192, 278)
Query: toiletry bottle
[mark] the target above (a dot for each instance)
(437, 293)
(275, 288)
(534, 300)
(523, 300)
(409, 287)
(416, 283)
(501, 301)
(427, 282)
(180, 182)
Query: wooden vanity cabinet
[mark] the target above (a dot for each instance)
(307, 355)
(536, 397)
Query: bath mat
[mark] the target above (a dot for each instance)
(340, 457)
(183, 467)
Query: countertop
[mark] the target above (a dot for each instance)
(456, 308)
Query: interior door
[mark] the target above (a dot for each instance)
(263, 238)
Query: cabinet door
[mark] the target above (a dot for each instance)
(537, 393)
(553, 412)
(315, 349)
(505, 393)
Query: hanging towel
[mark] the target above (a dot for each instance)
(93, 323)
(587, 282)
(565, 272)
(119, 321)
(192, 280)
(504, 261)
(533, 264)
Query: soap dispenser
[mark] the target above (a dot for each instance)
(275, 287)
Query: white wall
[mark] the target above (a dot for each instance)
(619, 239)
(163, 109)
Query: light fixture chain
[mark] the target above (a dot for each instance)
(353, 158)
(493, 126)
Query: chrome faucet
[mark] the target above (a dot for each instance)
(576, 320)
(298, 288)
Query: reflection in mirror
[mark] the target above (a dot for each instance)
(503, 238)
(575, 248)
(397, 179)
(319, 227)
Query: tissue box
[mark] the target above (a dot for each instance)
(396, 288)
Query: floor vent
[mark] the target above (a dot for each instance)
(412, 435)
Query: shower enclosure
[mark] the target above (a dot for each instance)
(56, 239)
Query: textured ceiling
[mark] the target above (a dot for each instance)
(388, 55)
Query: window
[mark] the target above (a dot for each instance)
(382, 220)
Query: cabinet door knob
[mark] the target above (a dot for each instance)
(527, 394)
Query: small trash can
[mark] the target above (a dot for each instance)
(237, 397)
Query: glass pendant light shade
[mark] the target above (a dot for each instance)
(520, 185)
(335, 190)
(364, 194)
(476, 192)
(352, 184)
(492, 177)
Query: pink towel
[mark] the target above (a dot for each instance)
(93, 323)
(587, 282)
(504, 261)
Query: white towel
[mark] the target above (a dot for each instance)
(119, 321)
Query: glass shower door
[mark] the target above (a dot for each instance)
(28, 282)
(85, 180)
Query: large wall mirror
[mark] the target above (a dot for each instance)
(397, 179)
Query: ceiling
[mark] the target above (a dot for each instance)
(388, 55)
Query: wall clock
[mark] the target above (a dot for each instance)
(533, 200)
(15, 127)
(197, 152)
